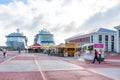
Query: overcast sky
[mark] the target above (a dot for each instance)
(63, 18)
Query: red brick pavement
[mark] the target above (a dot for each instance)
(112, 56)
(9, 55)
(105, 64)
(23, 58)
(115, 64)
(2, 61)
(88, 64)
(46, 58)
(59, 74)
(74, 75)
(20, 76)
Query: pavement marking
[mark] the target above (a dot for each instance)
(18, 66)
(26, 55)
(55, 63)
(48, 65)
(9, 59)
(39, 68)
(113, 60)
(108, 72)
(105, 74)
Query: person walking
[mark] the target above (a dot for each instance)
(18, 50)
(96, 56)
(4, 51)
(49, 51)
(101, 55)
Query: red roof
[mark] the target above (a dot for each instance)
(36, 44)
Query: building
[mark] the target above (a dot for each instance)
(44, 38)
(16, 40)
(100, 35)
(118, 38)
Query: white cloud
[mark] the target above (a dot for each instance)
(63, 16)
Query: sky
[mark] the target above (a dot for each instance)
(63, 18)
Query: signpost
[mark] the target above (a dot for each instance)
(98, 46)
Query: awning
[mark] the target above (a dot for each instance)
(35, 45)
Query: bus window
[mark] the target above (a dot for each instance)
(70, 49)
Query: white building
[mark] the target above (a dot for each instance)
(118, 38)
(16, 40)
(101, 35)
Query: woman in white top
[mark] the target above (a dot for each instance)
(4, 52)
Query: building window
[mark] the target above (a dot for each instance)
(119, 33)
(106, 46)
(100, 38)
(112, 38)
(92, 38)
(100, 41)
(106, 37)
(88, 39)
(112, 46)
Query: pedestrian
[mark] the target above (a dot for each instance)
(101, 55)
(4, 51)
(49, 51)
(18, 49)
(26, 50)
(96, 56)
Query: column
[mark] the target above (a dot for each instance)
(117, 42)
(109, 43)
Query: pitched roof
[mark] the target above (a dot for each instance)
(106, 30)
(117, 27)
(103, 30)
(36, 44)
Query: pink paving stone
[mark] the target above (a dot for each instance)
(2, 61)
(20, 76)
(112, 56)
(46, 58)
(116, 64)
(12, 54)
(74, 75)
(88, 64)
(23, 58)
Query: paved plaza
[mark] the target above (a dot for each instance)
(39, 66)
